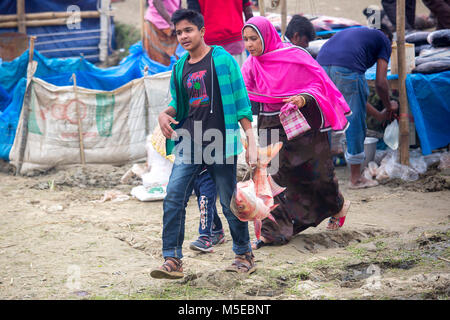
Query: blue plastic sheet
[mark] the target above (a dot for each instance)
(52, 40)
(59, 72)
(371, 73)
(429, 101)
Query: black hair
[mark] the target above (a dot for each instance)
(302, 25)
(386, 30)
(192, 16)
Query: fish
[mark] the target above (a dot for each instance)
(253, 199)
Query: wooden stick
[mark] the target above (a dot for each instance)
(262, 8)
(48, 15)
(25, 111)
(21, 16)
(283, 18)
(401, 60)
(443, 259)
(142, 13)
(80, 131)
(31, 52)
(38, 23)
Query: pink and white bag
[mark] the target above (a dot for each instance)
(293, 121)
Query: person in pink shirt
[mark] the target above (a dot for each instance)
(160, 40)
(223, 22)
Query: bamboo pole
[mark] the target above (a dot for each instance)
(31, 52)
(25, 111)
(48, 15)
(262, 8)
(401, 60)
(283, 18)
(21, 16)
(80, 130)
(38, 23)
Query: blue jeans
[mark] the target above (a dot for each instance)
(179, 189)
(206, 193)
(355, 90)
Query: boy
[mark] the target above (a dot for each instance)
(208, 95)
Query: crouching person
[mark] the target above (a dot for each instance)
(208, 95)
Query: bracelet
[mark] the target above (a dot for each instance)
(304, 101)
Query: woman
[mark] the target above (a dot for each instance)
(160, 40)
(277, 73)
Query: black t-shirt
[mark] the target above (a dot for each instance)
(205, 101)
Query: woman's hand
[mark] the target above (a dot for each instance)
(298, 100)
(251, 153)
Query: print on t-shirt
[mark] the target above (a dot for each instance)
(196, 83)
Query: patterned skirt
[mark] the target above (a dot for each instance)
(306, 169)
(159, 44)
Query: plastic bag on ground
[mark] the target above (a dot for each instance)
(444, 161)
(432, 158)
(149, 194)
(396, 170)
(372, 167)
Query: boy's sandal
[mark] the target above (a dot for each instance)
(243, 263)
(172, 268)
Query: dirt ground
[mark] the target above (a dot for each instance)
(128, 11)
(56, 242)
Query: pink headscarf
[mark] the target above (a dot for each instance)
(284, 70)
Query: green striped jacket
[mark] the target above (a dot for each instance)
(236, 104)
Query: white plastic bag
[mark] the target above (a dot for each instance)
(160, 169)
(396, 170)
(149, 194)
(391, 135)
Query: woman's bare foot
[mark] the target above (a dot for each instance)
(362, 183)
(335, 221)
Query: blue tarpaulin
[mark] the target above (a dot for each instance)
(59, 72)
(429, 101)
(62, 41)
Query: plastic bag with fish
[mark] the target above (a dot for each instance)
(252, 199)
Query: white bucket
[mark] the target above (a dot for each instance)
(370, 147)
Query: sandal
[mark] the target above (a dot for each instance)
(337, 223)
(243, 263)
(172, 268)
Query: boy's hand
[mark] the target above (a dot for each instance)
(164, 121)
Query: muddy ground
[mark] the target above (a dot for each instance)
(127, 11)
(56, 242)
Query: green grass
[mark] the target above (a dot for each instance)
(126, 35)
(171, 291)
(357, 252)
